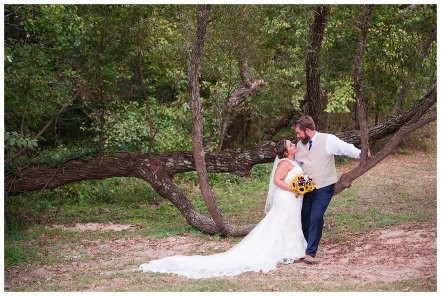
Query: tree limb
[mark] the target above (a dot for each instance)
(347, 178)
(198, 150)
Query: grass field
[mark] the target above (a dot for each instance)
(45, 250)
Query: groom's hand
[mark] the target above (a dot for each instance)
(368, 153)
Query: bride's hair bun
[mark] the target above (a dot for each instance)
(280, 148)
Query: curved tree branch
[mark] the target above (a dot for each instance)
(347, 178)
(239, 161)
(159, 169)
(394, 122)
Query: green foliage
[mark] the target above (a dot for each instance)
(38, 77)
(52, 51)
(125, 128)
(14, 142)
(392, 60)
(341, 97)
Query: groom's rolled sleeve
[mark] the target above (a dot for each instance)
(336, 146)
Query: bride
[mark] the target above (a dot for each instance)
(278, 238)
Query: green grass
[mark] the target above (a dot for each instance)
(363, 206)
(15, 255)
(390, 194)
(117, 200)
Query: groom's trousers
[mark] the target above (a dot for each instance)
(314, 206)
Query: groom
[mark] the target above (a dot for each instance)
(316, 156)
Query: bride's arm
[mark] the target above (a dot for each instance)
(280, 175)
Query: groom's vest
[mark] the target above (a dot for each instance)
(316, 162)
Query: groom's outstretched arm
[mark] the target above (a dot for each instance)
(336, 146)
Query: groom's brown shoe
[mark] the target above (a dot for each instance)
(310, 260)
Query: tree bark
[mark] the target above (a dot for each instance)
(361, 109)
(238, 161)
(347, 178)
(313, 103)
(393, 123)
(415, 121)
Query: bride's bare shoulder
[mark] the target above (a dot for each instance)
(285, 163)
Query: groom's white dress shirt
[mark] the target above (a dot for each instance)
(335, 146)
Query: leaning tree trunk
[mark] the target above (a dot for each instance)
(158, 170)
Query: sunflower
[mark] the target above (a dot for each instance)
(302, 184)
(293, 183)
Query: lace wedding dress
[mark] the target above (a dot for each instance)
(276, 238)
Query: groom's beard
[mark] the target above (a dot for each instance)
(305, 140)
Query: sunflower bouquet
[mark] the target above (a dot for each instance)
(302, 184)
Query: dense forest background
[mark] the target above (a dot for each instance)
(115, 76)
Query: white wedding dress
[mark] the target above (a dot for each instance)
(277, 237)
